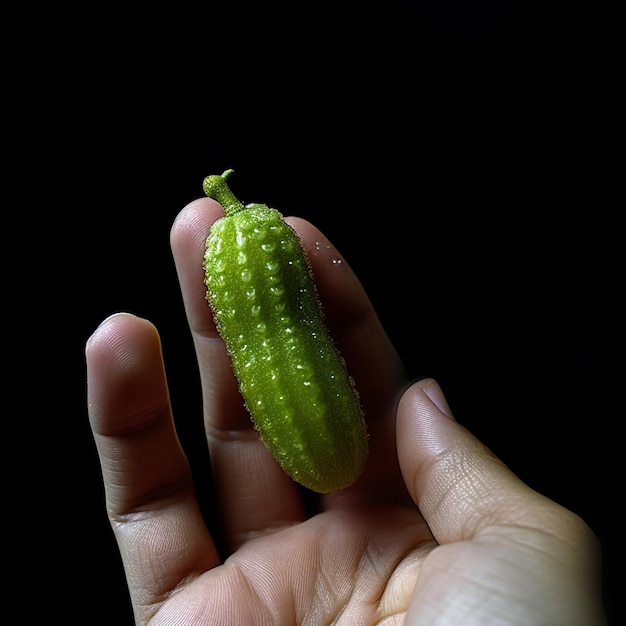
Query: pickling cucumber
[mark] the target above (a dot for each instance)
(293, 380)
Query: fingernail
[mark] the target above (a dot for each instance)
(433, 391)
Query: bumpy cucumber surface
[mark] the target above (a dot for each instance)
(294, 382)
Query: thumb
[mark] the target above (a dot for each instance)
(459, 486)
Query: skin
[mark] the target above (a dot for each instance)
(437, 530)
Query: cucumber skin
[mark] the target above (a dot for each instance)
(294, 382)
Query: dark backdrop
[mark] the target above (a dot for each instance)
(456, 151)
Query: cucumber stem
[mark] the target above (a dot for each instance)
(216, 187)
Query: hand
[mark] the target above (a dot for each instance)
(436, 531)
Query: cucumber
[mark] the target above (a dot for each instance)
(293, 380)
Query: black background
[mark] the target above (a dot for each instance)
(458, 156)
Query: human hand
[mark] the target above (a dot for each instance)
(436, 530)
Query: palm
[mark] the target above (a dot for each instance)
(348, 566)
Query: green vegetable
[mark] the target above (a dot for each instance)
(294, 382)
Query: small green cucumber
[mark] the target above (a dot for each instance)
(295, 384)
